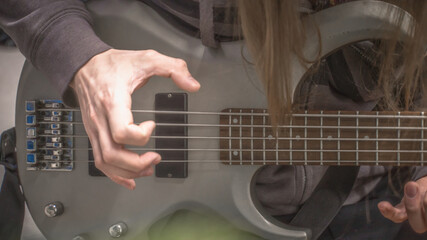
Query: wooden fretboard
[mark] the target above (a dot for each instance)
(323, 138)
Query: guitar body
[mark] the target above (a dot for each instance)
(93, 204)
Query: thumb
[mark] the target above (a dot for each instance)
(174, 68)
(179, 73)
(413, 206)
(187, 83)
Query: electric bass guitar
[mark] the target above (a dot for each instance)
(212, 142)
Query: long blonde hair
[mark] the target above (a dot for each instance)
(274, 32)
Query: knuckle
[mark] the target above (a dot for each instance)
(144, 136)
(143, 165)
(150, 53)
(99, 164)
(119, 135)
(412, 208)
(92, 115)
(101, 97)
(400, 219)
(109, 157)
(181, 63)
(148, 172)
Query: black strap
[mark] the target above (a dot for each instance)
(12, 206)
(327, 199)
(207, 33)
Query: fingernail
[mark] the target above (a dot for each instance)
(195, 83)
(411, 190)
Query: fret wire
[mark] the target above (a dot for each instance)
(305, 140)
(321, 137)
(240, 130)
(376, 142)
(252, 140)
(339, 136)
(422, 142)
(290, 142)
(277, 147)
(357, 139)
(229, 140)
(263, 141)
(398, 142)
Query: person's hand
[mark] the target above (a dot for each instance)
(413, 206)
(103, 87)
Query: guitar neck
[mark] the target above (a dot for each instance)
(348, 138)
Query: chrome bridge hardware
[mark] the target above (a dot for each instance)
(46, 123)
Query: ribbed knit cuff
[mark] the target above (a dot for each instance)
(64, 47)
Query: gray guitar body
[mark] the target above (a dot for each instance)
(93, 204)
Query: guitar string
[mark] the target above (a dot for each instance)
(248, 150)
(259, 126)
(324, 114)
(267, 161)
(361, 116)
(327, 139)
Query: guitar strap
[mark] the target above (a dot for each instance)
(326, 200)
(12, 206)
(340, 72)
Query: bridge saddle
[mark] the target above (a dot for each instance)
(49, 130)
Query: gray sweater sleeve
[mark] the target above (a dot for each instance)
(56, 36)
(419, 172)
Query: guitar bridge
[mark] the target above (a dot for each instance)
(49, 133)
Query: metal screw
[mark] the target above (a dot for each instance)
(79, 237)
(117, 230)
(169, 95)
(53, 209)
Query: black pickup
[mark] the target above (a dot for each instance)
(175, 153)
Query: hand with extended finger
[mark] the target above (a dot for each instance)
(413, 206)
(103, 87)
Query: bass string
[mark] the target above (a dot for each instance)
(339, 114)
(255, 150)
(267, 161)
(265, 126)
(326, 139)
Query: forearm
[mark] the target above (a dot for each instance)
(56, 36)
